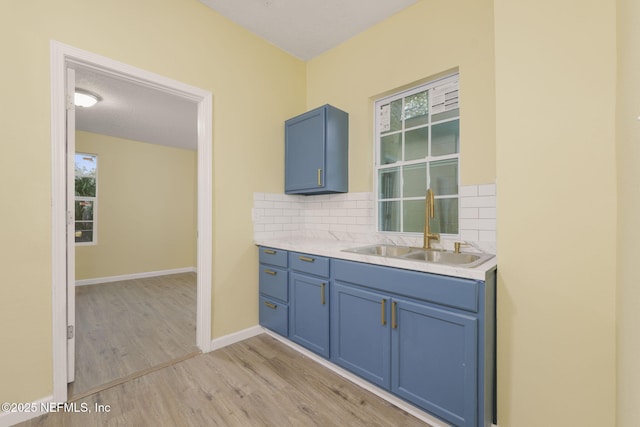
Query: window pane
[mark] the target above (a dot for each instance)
(446, 220)
(389, 216)
(84, 210)
(416, 109)
(414, 179)
(395, 113)
(85, 175)
(444, 177)
(415, 144)
(445, 138)
(390, 149)
(413, 212)
(445, 115)
(84, 232)
(389, 185)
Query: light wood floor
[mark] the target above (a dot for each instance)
(256, 382)
(130, 326)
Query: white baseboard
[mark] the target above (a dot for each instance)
(109, 279)
(236, 337)
(27, 412)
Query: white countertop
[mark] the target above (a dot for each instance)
(334, 248)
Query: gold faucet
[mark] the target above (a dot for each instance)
(429, 212)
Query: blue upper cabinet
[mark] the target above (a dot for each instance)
(317, 152)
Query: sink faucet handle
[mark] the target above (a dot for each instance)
(456, 246)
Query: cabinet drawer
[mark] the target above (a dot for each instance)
(444, 290)
(274, 315)
(273, 256)
(273, 282)
(311, 264)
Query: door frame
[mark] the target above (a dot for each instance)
(61, 55)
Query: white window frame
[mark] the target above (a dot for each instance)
(427, 160)
(94, 200)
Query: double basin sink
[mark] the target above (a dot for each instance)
(435, 256)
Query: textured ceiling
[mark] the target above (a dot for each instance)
(306, 28)
(133, 111)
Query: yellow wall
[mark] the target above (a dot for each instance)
(146, 208)
(548, 102)
(555, 105)
(414, 45)
(628, 127)
(255, 88)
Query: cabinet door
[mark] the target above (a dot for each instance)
(305, 151)
(309, 313)
(360, 332)
(434, 359)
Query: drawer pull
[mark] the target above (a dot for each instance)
(394, 315)
(271, 272)
(306, 259)
(269, 251)
(383, 314)
(270, 305)
(322, 286)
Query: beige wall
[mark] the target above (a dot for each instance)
(413, 46)
(555, 105)
(255, 88)
(146, 208)
(628, 127)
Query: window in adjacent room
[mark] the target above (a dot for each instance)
(418, 146)
(86, 182)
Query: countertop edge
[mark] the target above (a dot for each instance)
(334, 249)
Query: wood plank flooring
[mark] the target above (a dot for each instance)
(130, 326)
(256, 382)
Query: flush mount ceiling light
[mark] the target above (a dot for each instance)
(84, 98)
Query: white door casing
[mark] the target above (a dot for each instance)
(71, 223)
(61, 56)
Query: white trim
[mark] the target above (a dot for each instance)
(421, 415)
(109, 279)
(235, 337)
(35, 410)
(60, 56)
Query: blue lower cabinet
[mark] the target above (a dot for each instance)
(426, 338)
(273, 315)
(309, 312)
(360, 333)
(434, 360)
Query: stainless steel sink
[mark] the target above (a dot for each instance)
(382, 250)
(436, 256)
(449, 258)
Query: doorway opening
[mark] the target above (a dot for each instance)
(62, 57)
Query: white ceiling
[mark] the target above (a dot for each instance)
(306, 28)
(303, 28)
(133, 111)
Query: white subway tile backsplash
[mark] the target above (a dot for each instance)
(469, 213)
(478, 224)
(471, 235)
(352, 216)
(468, 190)
(478, 202)
(487, 190)
(487, 213)
(487, 236)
